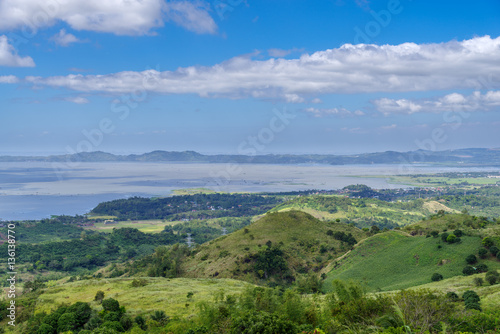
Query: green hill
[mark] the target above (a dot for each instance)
(394, 260)
(306, 244)
(364, 212)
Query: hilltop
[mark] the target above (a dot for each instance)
(306, 244)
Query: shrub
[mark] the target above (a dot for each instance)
(487, 242)
(436, 277)
(458, 233)
(492, 277)
(471, 259)
(478, 281)
(262, 323)
(160, 317)
(494, 250)
(451, 239)
(483, 252)
(138, 282)
(468, 270)
(67, 322)
(451, 295)
(481, 268)
(139, 320)
(444, 236)
(471, 300)
(99, 296)
(111, 305)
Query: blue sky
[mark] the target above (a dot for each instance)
(231, 76)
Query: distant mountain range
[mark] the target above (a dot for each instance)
(465, 157)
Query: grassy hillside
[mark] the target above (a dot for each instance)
(302, 238)
(490, 294)
(393, 260)
(169, 295)
(364, 212)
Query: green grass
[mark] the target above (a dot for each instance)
(392, 261)
(146, 226)
(489, 294)
(301, 236)
(169, 295)
(362, 212)
(430, 180)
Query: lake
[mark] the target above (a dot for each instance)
(35, 190)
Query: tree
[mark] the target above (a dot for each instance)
(451, 239)
(436, 277)
(492, 277)
(160, 317)
(99, 296)
(444, 236)
(111, 305)
(262, 323)
(471, 259)
(478, 281)
(483, 252)
(471, 300)
(67, 322)
(494, 250)
(487, 242)
(139, 320)
(468, 270)
(45, 329)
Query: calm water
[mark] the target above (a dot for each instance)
(38, 190)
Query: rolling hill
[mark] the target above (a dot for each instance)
(306, 244)
(395, 260)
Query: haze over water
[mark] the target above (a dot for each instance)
(36, 190)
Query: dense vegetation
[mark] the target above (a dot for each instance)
(295, 273)
(198, 206)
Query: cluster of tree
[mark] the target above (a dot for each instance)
(202, 231)
(80, 318)
(164, 262)
(342, 236)
(270, 262)
(181, 207)
(92, 251)
(59, 227)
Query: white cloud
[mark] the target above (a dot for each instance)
(64, 39)
(389, 106)
(315, 112)
(280, 53)
(192, 15)
(9, 79)
(348, 69)
(120, 17)
(9, 56)
(451, 102)
(77, 100)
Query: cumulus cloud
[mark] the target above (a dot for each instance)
(120, 17)
(64, 39)
(9, 56)
(191, 15)
(315, 112)
(9, 79)
(476, 101)
(348, 69)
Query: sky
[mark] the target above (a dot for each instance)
(248, 77)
